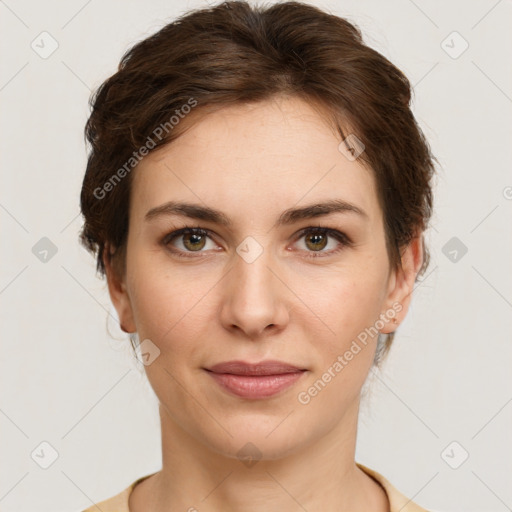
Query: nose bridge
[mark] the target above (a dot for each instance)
(253, 279)
(251, 271)
(254, 298)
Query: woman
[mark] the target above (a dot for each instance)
(256, 196)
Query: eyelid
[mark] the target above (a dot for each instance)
(187, 230)
(344, 240)
(340, 236)
(335, 233)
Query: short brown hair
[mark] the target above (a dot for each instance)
(236, 53)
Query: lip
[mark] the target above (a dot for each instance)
(270, 367)
(255, 381)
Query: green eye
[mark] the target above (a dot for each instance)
(192, 239)
(316, 239)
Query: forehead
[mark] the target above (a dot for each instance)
(252, 156)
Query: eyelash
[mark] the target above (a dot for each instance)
(338, 235)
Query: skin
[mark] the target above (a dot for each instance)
(253, 162)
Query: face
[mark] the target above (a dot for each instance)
(266, 278)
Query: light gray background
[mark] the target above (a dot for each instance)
(67, 381)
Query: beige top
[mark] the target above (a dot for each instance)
(398, 502)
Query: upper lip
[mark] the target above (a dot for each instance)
(261, 368)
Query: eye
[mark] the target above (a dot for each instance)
(316, 239)
(188, 240)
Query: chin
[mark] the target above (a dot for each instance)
(257, 441)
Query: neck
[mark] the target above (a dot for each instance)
(319, 476)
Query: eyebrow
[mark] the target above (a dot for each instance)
(290, 216)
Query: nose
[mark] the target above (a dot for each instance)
(254, 300)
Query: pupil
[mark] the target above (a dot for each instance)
(318, 239)
(196, 239)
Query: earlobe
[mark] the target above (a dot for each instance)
(402, 282)
(118, 293)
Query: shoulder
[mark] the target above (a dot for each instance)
(119, 502)
(397, 501)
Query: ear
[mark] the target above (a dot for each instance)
(401, 283)
(118, 293)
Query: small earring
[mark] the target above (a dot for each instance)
(395, 321)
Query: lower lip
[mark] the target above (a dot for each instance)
(252, 386)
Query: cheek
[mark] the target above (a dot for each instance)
(177, 309)
(165, 306)
(347, 301)
(345, 350)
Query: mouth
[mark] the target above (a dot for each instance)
(255, 381)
